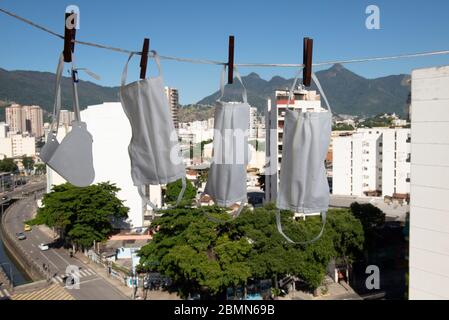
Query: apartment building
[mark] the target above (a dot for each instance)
(429, 192)
(173, 102)
(111, 133)
(21, 119)
(17, 145)
(13, 115)
(274, 124)
(396, 166)
(372, 162)
(4, 128)
(66, 117)
(33, 120)
(253, 122)
(191, 134)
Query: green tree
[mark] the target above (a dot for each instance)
(342, 127)
(28, 163)
(347, 235)
(203, 143)
(8, 165)
(372, 219)
(196, 251)
(82, 215)
(40, 168)
(173, 190)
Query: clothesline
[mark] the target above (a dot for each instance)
(213, 62)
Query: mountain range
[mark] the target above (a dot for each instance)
(37, 88)
(347, 92)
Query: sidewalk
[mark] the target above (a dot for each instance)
(127, 291)
(102, 272)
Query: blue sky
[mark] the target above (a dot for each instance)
(265, 31)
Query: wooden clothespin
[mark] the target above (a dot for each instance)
(307, 61)
(144, 58)
(70, 22)
(231, 60)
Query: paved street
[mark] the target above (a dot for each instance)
(92, 286)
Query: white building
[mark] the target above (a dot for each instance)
(23, 119)
(66, 117)
(17, 145)
(3, 129)
(396, 162)
(372, 162)
(33, 120)
(429, 194)
(253, 121)
(274, 124)
(13, 115)
(111, 133)
(191, 134)
(173, 103)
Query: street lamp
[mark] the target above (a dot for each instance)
(11, 275)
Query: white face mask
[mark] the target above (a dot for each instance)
(303, 185)
(226, 182)
(72, 158)
(154, 149)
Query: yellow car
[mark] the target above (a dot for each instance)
(27, 227)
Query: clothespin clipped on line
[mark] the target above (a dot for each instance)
(307, 61)
(144, 58)
(70, 23)
(231, 60)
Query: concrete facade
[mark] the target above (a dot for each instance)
(429, 191)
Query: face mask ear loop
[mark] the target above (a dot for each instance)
(57, 104)
(239, 78)
(320, 89)
(279, 227)
(290, 93)
(147, 200)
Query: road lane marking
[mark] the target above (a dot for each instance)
(87, 281)
(82, 273)
(48, 260)
(55, 252)
(90, 272)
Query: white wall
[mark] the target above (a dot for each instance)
(429, 208)
(111, 133)
(341, 166)
(5, 148)
(3, 129)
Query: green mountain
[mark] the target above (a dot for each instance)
(347, 92)
(32, 87)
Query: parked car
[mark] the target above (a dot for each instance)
(21, 236)
(26, 227)
(43, 247)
